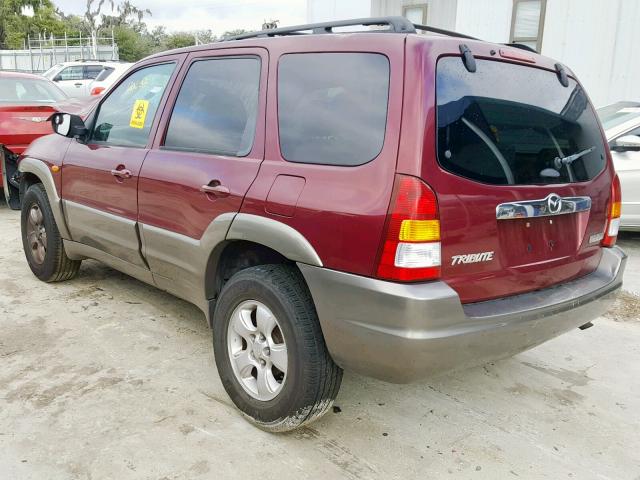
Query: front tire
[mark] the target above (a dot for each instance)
(270, 351)
(41, 239)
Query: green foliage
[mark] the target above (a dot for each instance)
(131, 45)
(179, 40)
(15, 26)
(233, 33)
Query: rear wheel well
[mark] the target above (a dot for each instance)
(235, 256)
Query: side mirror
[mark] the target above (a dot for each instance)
(626, 143)
(57, 78)
(68, 125)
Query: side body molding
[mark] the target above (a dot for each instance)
(181, 265)
(42, 171)
(276, 235)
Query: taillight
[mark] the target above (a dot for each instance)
(613, 214)
(97, 90)
(411, 244)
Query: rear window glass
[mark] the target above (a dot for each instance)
(508, 124)
(332, 107)
(29, 90)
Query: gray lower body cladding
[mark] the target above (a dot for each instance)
(405, 332)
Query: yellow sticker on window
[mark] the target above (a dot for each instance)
(139, 113)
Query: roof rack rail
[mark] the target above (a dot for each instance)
(396, 25)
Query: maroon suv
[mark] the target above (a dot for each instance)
(393, 203)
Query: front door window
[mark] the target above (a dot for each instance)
(126, 115)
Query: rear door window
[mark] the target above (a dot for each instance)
(509, 124)
(216, 109)
(332, 107)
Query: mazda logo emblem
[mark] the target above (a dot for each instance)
(554, 203)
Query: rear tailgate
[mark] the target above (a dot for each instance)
(515, 216)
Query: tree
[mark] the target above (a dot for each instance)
(92, 20)
(20, 18)
(233, 33)
(132, 46)
(158, 36)
(127, 14)
(179, 40)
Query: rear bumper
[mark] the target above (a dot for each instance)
(404, 332)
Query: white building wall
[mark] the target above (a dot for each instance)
(440, 13)
(598, 41)
(486, 19)
(327, 10)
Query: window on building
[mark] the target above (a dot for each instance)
(527, 22)
(415, 13)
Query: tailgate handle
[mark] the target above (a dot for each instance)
(551, 205)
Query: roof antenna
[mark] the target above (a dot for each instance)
(467, 58)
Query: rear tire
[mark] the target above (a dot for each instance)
(277, 296)
(41, 239)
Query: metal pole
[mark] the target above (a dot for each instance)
(41, 59)
(53, 51)
(81, 47)
(113, 46)
(66, 47)
(30, 52)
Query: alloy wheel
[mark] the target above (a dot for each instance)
(37, 234)
(257, 350)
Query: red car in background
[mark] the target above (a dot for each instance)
(26, 103)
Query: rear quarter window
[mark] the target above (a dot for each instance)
(508, 124)
(332, 107)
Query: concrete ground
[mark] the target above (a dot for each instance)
(104, 377)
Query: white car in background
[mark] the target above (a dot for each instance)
(107, 77)
(74, 78)
(621, 123)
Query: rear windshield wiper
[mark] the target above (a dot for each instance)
(568, 160)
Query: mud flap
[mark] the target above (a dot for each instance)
(10, 181)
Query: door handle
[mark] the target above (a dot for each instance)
(78, 85)
(123, 173)
(216, 189)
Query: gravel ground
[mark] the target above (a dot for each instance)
(104, 377)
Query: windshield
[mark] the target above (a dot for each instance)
(29, 90)
(508, 124)
(613, 115)
(53, 71)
